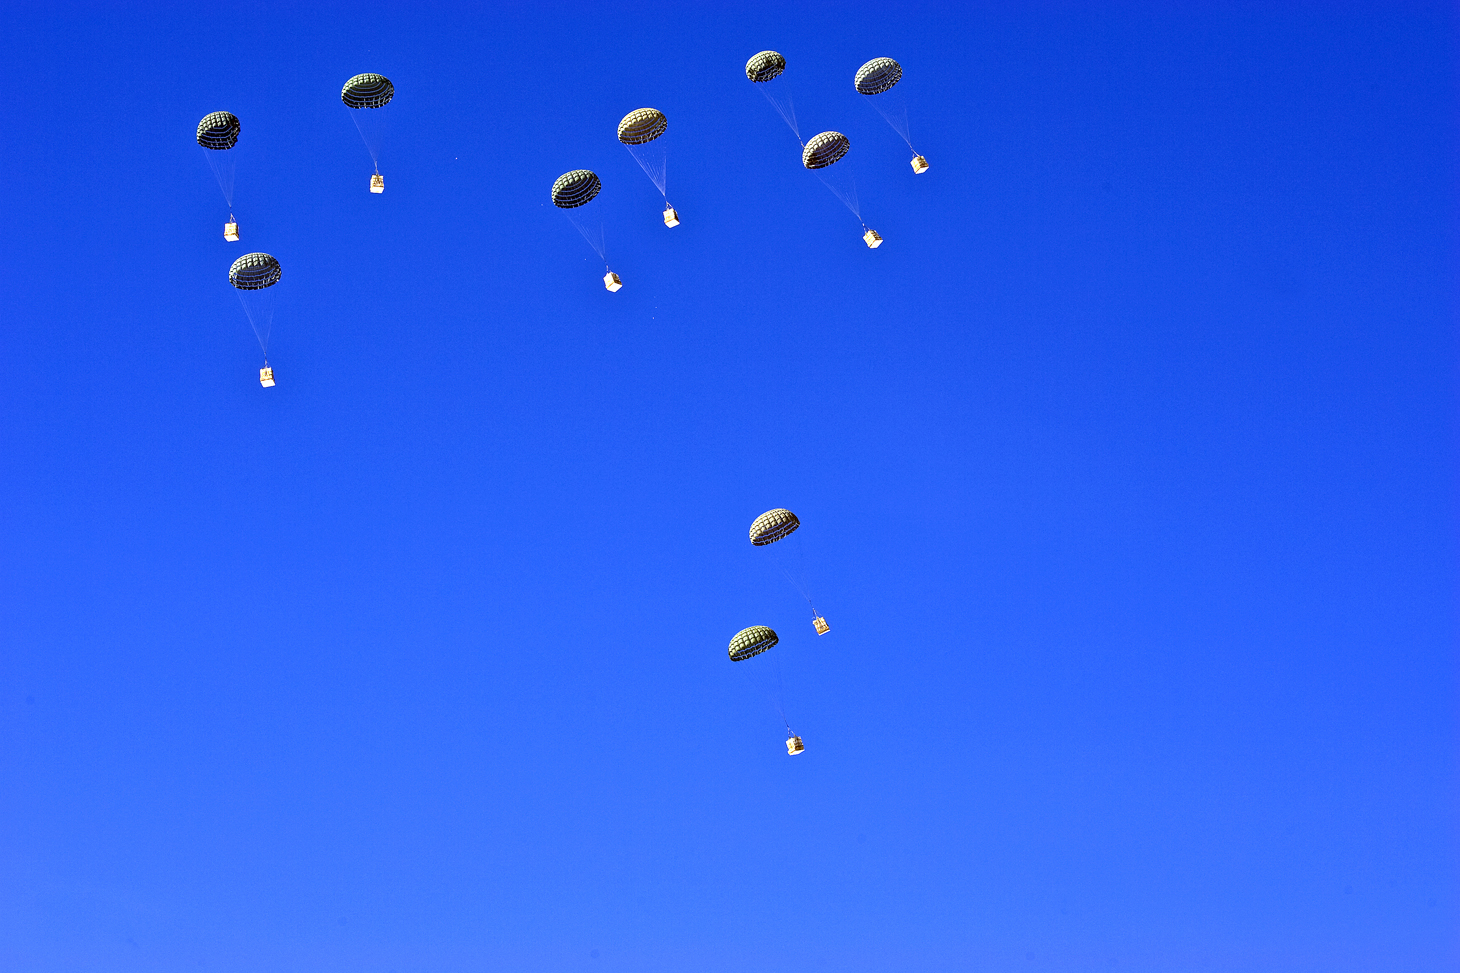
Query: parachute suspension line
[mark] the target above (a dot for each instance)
(784, 106)
(773, 696)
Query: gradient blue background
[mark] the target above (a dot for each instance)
(1127, 465)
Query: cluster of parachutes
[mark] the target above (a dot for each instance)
(770, 531)
(576, 192)
(254, 274)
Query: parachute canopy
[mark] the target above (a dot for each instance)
(878, 75)
(825, 149)
(218, 130)
(576, 188)
(765, 66)
(367, 91)
(772, 525)
(642, 125)
(254, 272)
(752, 641)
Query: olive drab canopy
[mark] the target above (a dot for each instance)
(218, 130)
(367, 91)
(752, 641)
(878, 75)
(825, 149)
(254, 272)
(765, 66)
(772, 525)
(576, 188)
(642, 125)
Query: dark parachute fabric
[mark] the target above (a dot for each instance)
(254, 272)
(218, 131)
(824, 150)
(765, 66)
(878, 75)
(576, 188)
(367, 91)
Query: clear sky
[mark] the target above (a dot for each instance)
(1127, 469)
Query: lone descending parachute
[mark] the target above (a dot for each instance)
(754, 641)
(776, 525)
(218, 131)
(773, 525)
(575, 193)
(639, 131)
(822, 152)
(876, 79)
(253, 276)
(218, 134)
(365, 95)
(763, 70)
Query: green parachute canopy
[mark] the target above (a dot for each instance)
(825, 149)
(576, 188)
(642, 125)
(878, 75)
(751, 642)
(772, 525)
(218, 130)
(367, 91)
(765, 66)
(254, 272)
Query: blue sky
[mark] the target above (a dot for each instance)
(1127, 469)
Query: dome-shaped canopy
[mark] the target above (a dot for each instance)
(825, 149)
(367, 91)
(772, 525)
(877, 75)
(218, 130)
(254, 272)
(752, 641)
(576, 188)
(642, 125)
(765, 66)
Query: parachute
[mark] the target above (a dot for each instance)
(764, 70)
(825, 149)
(876, 80)
(253, 277)
(575, 193)
(577, 188)
(765, 66)
(639, 131)
(773, 527)
(751, 642)
(823, 152)
(365, 95)
(754, 641)
(218, 134)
